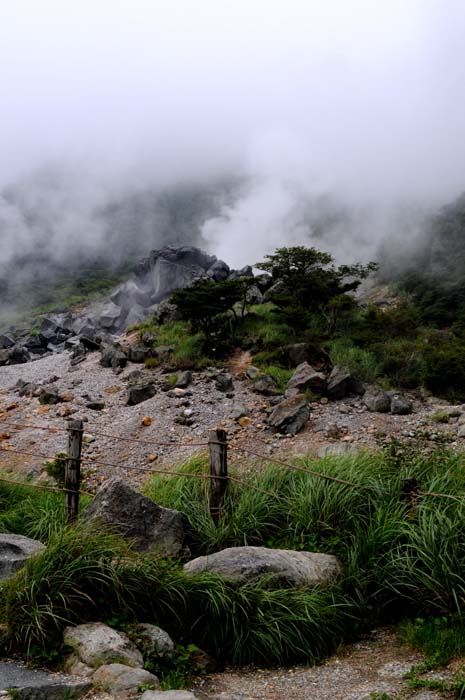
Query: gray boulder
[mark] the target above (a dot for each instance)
(184, 379)
(138, 353)
(377, 400)
(219, 271)
(139, 393)
(290, 415)
(121, 681)
(18, 355)
(175, 268)
(286, 567)
(252, 372)
(149, 526)
(245, 271)
(305, 377)
(112, 317)
(224, 382)
(113, 356)
(96, 644)
(338, 383)
(4, 356)
(266, 385)
(15, 550)
(400, 405)
(49, 395)
(153, 642)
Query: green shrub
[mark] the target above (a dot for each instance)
(362, 364)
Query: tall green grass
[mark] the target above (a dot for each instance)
(401, 558)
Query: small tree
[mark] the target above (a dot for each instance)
(209, 306)
(309, 284)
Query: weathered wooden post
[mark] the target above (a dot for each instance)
(217, 442)
(73, 468)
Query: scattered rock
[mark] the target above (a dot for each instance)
(167, 311)
(15, 550)
(184, 379)
(136, 517)
(49, 395)
(400, 405)
(224, 382)
(252, 372)
(266, 385)
(338, 383)
(121, 681)
(377, 400)
(138, 353)
(113, 356)
(288, 567)
(139, 393)
(290, 415)
(305, 377)
(96, 644)
(240, 412)
(96, 404)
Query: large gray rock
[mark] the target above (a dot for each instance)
(338, 383)
(376, 400)
(15, 550)
(175, 268)
(266, 385)
(136, 314)
(139, 393)
(287, 567)
(290, 415)
(400, 405)
(112, 317)
(136, 517)
(96, 644)
(305, 377)
(219, 271)
(113, 356)
(121, 681)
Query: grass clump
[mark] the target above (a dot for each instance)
(27, 511)
(362, 364)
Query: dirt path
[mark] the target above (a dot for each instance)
(375, 665)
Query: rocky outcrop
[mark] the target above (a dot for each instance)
(149, 526)
(290, 415)
(153, 642)
(400, 405)
(15, 550)
(338, 383)
(285, 567)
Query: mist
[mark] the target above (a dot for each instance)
(238, 126)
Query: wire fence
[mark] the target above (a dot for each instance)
(218, 477)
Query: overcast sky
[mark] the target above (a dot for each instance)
(365, 95)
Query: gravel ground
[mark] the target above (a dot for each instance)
(345, 421)
(375, 665)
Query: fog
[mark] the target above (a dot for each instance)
(342, 120)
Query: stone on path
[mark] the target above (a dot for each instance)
(40, 685)
(288, 567)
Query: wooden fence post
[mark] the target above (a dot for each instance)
(217, 442)
(73, 468)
